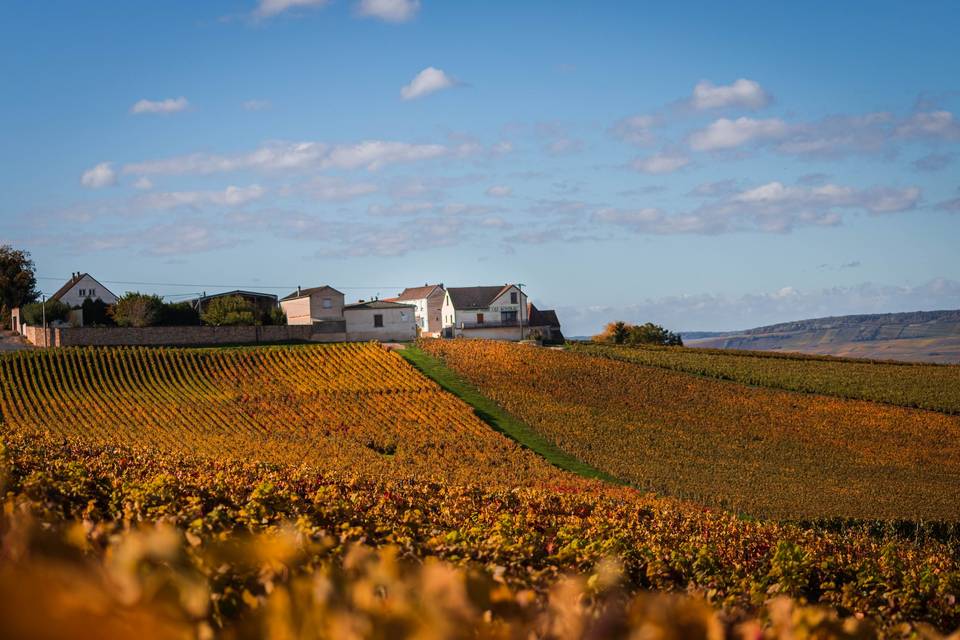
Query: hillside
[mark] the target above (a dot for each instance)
(755, 450)
(921, 336)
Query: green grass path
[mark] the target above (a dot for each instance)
(494, 415)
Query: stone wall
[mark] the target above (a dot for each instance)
(196, 336)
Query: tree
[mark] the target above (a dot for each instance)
(18, 283)
(96, 313)
(277, 316)
(648, 333)
(229, 311)
(136, 309)
(179, 314)
(34, 313)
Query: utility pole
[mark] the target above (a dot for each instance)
(520, 286)
(43, 309)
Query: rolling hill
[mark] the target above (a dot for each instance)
(921, 336)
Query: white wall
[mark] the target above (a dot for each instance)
(399, 324)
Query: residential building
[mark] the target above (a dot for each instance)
(80, 287)
(428, 301)
(497, 312)
(313, 306)
(380, 320)
(544, 323)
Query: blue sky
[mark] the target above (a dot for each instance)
(702, 165)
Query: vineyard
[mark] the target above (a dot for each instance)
(347, 408)
(755, 450)
(195, 492)
(526, 539)
(925, 386)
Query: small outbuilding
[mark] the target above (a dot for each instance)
(380, 320)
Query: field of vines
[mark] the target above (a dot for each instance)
(352, 408)
(132, 534)
(925, 386)
(759, 451)
(271, 491)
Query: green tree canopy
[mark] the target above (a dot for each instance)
(136, 309)
(229, 311)
(33, 313)
(648, 333)
(18, 283)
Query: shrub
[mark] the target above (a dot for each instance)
(137, 310)
(96, 313)
(33, 313)
(649, 333)
(229, 311)
(179, 314)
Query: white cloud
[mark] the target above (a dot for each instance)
(389, 10)
(270, 8)
(742, 93)
(930, 124)
(232, 196)
(769, 208)
(338, 189)
(636, 129)
(170, 105)
(728, 134)
(661, 163)
(374, 154)
(428, 81)
(298, 156)
(102, 175)
(500, 191)
(257, 105)
(143, 183)
(707, 311)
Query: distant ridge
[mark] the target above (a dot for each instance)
(922, 336)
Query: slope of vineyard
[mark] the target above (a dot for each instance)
(525, 537)
(925, 386)
(755, 450)
(354, 409)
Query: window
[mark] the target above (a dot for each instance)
(378, 319)
(327, 303)
(83, 292)
(513, 297)
(403, 315)
(508, 316)
(93, 292)
(479, 318)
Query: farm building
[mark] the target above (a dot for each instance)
(428, 301)
(313, 306)
(381, 320)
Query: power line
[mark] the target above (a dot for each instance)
(218, 286)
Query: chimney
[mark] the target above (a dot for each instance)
(298, 291)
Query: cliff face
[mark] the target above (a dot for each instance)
(928, 336)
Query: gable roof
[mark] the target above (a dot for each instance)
(378, 304)
(542, 318)
(72, 282)
(301, 293)
(475, 297)
(416, 293)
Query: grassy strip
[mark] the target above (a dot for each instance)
(494, 415)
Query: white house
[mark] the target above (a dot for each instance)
(380, 320)
(80, 287)
(314, 305)
(497, 312)
(428, 301)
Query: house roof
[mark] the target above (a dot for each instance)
(417, 293)
(74, 279)
(301, 293)
(542, 317)
(377, 304)
(475, 297)
(238, 292)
